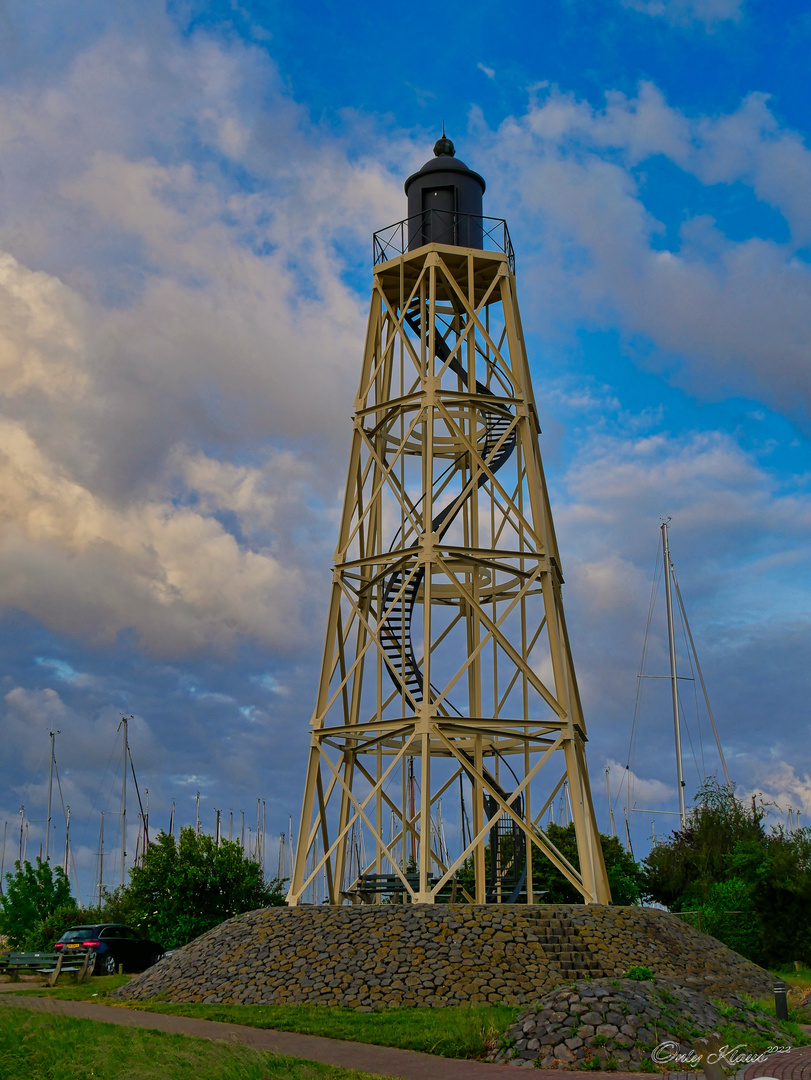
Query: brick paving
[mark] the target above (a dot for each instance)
(795, 1065)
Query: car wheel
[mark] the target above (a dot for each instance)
(108, 964)
(156, 957)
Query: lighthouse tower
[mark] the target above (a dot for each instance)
(447, 726)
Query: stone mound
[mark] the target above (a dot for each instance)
(382, 956)
(617, 1023)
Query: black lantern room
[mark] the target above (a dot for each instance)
(444, 201)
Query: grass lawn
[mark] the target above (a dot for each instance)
(96, 988)
(463, 1031)
(798, 977)
(37, 1045)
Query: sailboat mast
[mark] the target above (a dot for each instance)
(3, 858)
(674, 685)
(53, 735)
(611, 821)
(101, 860)
(124, 802)
(66, 863)
(701, 680)
(629, 847)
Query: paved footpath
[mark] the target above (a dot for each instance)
(384, 1061)
(795, 1065)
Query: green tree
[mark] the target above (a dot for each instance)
(33, 894)
(750, 886)
(681, 871)
(730, 914)
(625, 876)
(186, 887)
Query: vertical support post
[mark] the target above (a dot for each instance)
(528, 818)
(378, 818)
(53, 735)
(54, 975)
(124, 753)
(101, 860)
(780, 999)
(425, 818)
(67, 842)
(3, 857)
(478, 823)
(674, 684)
(299, 866)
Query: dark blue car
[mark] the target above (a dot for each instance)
(114, 945)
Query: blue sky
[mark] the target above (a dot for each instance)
(188, 197)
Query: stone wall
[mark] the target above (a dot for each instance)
(615, 1024)
(382, 956)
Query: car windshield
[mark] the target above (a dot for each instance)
(77, 933)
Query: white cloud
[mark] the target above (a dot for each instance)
(82, 564)
(781, 787)
(739, 542)
(183, 311)
(84, 745)
(685, 12)
(627, 788)
(729, 315)
(704, 480)
(39, 335)
(150, 306)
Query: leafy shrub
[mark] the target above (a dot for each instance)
(32, 895)
(640, 973)
(186, 887)
(746, 885)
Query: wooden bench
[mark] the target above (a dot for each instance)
(370, 885)
(53, 964)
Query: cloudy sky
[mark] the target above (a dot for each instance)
(187, 196)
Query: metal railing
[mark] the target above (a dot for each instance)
(442, 227)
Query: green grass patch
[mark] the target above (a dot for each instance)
(463, 1031)
(758, 1043)
(51, 1047)
(96, 988)
(795, 1018)
(801, 975)
(736, 1031)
